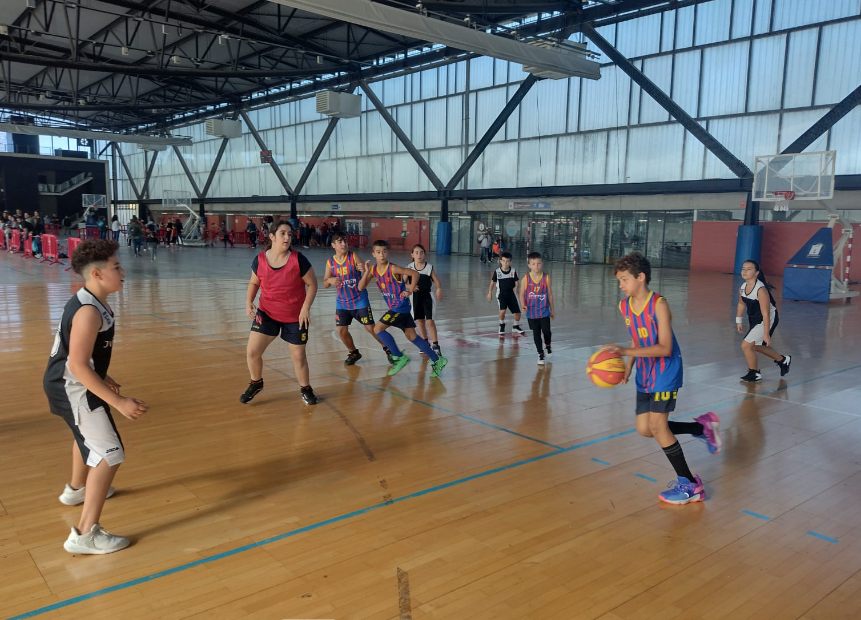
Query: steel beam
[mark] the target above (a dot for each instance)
(128, 171)
(263, 147)
(429, 173)
(149, 169)
(709, 141)
(494, 128)
(217, 161)
(187, 171)
(330, 128)
(826, 122)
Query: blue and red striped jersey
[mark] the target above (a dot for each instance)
(349, 296)
(391, 286)
(537, 297)
(654, 374)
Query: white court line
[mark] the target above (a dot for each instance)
(783, 400)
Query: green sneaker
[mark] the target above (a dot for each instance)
(400, 362)
(438, 366)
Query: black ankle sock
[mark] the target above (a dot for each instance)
(305, 388)
(354, 352)
(260, 380)
(686, 428)
(677, 459)
(386, 349)
(435, 343)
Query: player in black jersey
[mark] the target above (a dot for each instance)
(80, 391)
(424, 302)
(505, 280)
(762, 317)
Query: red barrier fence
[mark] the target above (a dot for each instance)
(2, 239)
(15, 242)
(28, 248)
(51, 250)
(357, 241)
(88, 233)
(73, 242)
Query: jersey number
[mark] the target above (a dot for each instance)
(665, 396)
(643, 332)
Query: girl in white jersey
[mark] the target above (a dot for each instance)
(424, 302)
(763, 318)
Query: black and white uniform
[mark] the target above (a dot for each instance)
(424, 303)
(87, 415)
(754, 313)
(505, 285)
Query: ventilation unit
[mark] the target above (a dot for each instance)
(223, 128)
(339, 105)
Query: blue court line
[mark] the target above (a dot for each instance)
(599, 461)
(349, 515)
(644, 477)
(757, 515)
(823, 536)
(460, 415)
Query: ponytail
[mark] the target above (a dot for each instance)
(759, 274)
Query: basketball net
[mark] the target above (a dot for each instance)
(785, 199)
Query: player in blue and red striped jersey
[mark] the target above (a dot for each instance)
(536, 298)
(391, 280)
(343, 271)
(659, 376)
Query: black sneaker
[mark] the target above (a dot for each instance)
(518, 330)
(549, 352)
(308, 396)
(254, 388)
(502, 329)
(352, 358)
(784, 364)
(752, 376)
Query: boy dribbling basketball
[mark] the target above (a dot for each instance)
(656, 352)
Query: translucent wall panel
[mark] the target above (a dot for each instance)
(844, 140)
(543, 109)
(393, 91)
(378, 137)
(454, 120)
(573, 104)
(686, 80)
(480, 72)
(429, 83)
(712, 21)
(655, 153)
(692, 158)
(489, 104)
(746, 137)
(499, 165)
(512, 125)
(660, 71)
(604, 103)
(617, 148)
(639, 37)
(445, 162)
(347, 176)
(684, 27)
(418, 133)
(307, 110)
(635, 97)
(500, 72)
(375, 174)
(839, 67)
(580, 159)
(761, 16)
(766, 73)
(435, 120)
(536, 165)
(516, 73)
(405, 173)
(800, 68)
(724, 79)
(348, 138)
(403, 117)
(793, 124)
(742, 12)
(792, 13)
(668, 31)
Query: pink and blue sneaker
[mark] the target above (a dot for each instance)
(711, 431)
(683, 491)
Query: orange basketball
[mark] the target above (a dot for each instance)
(606, 368)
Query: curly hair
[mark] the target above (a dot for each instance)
(90, 252)
(635, 264)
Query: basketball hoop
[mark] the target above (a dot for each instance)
(785, 199)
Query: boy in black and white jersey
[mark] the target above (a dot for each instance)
(80, 391)
(505, 280)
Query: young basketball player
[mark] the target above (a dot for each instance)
(762, 318)
(343, 271)
(391, 281)
(81, 392)
(505, 280)
(537, 297)
(424, 303)
(282, 277)
(659, 376)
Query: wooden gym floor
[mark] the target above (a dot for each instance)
(503, 490)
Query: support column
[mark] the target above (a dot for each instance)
(293, 208)
(114, 180)
(443, 230)
(281, 178)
